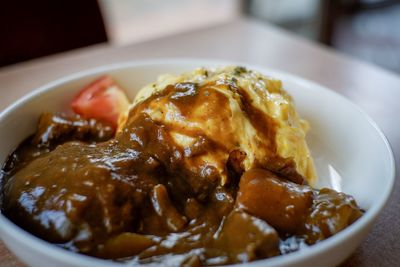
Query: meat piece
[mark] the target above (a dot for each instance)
(154, 140)
(244, 238)
(222, 201)
(165, 210)
(75, 200)
(283, 204)
(55, 129)
(331, 212)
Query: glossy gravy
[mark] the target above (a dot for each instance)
(132, 196)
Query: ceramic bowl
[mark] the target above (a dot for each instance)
(351, 155)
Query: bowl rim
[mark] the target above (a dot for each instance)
(40, 246)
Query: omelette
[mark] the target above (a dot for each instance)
(247, 119)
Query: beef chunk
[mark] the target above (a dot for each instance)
(283, 204)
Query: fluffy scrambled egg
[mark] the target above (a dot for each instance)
(240, 113)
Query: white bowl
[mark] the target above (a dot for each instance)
(351, 154)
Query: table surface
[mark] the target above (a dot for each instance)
(375, 90)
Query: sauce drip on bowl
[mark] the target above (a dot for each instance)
(140, 196)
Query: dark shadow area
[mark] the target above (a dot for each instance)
(31, 29)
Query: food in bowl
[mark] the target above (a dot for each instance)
(204, 168)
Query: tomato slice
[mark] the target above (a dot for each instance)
(102, 100)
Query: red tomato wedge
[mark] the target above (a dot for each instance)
(102, 100)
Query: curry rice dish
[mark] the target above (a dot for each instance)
(208, 167)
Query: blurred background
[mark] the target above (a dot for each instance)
(366, 29)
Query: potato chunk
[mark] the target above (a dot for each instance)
(331, 212)
(246, 238)
(284, 205)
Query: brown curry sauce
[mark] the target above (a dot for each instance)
(130, 197)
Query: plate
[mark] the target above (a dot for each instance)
(351, 155)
